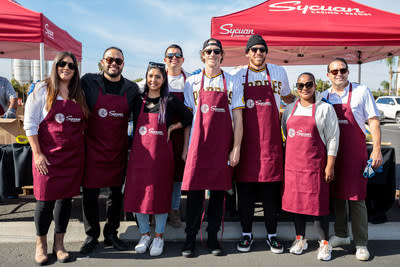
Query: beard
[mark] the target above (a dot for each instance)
(113, 74)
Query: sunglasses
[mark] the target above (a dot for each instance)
(255, 49)
(172, 55)
(117, 60)
(307, 85)
(62, 64)
(335, 72)
(216, 51)
(157, 65)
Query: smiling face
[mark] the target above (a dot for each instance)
(212, 56)
(340, 80)
(65, 74)
(154, 79)
(306, 92)
(112, 70)
(174, 58)
(257, 55)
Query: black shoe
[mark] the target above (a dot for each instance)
(244, 244)
(113, 240)
(214, 245)
(89, 245)
(188, 247)
(275, 246)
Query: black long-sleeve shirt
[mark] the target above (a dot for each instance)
(175, 108)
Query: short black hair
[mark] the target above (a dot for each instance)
(173, 46)
(338, 59)
(113, 47)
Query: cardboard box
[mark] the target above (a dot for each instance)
(10, 129)
(20, 110)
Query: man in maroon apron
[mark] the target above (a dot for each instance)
(174, 59)
(214, 146)
(260, 171)
(354, 104)
(8, 99)
(110, 99)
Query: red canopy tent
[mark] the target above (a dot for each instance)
(310, 32)
(26, 34)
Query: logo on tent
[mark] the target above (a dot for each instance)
(237, 32)
(317, 9)
(49, 32)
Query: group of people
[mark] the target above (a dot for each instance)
(196, 133)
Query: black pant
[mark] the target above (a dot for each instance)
(44, 215)
(91, 211)
(268, 193)
(194, 210)
(321, 225)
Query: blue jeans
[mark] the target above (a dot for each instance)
(176, 196)
(143, 221)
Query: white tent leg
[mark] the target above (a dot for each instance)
(42, 61)
(359, 73)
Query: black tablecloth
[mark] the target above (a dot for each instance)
(381, 188)
(15, 168)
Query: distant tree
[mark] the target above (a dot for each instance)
(137, 80)
(385, 85)
(390, 62)
(322, 85)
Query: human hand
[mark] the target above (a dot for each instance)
(41, 163)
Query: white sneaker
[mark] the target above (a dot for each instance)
(157, 246)
(143, 244)
(324, 251)
(298, 245)
(362, 253)
(336, 241)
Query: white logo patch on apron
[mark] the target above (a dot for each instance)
(102, 112)
(204, 108)
(291, 132)
(60, 118)
(250, 103)
(142, 130)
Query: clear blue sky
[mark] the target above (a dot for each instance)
(143, 29)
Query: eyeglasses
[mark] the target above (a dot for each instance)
(308, 85)
(117, 60)
(255, 49)
(342, 71)
(157, 65)
(172, 55)
(216, 51)
(70, 65)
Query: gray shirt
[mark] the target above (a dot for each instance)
(6, 93)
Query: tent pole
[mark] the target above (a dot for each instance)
(42, 61)
(359, 73)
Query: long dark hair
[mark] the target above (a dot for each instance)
(74, 87)
(164, 90)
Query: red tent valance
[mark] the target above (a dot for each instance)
(21, 31)
(310, 32)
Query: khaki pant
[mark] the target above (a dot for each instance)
(359, 220)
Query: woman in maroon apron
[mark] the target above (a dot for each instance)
(54, 122)
(311, 128)
(150, 174)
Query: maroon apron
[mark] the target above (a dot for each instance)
(61, 140)
(1, 110)
(107, 142)
(352, 156)
(305, 190)
(149, 181)
(177, 138)
(207, 161)
(261, 155)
